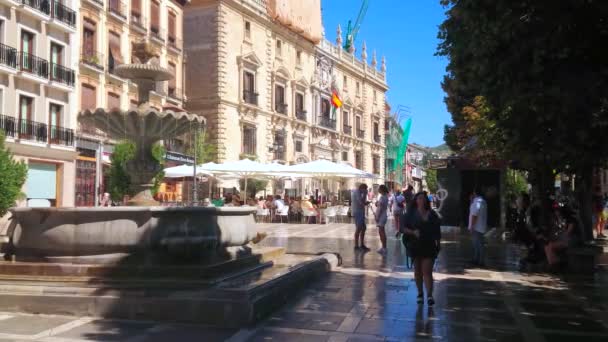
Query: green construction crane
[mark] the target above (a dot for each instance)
(352, 30)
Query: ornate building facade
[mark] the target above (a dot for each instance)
(266, 89)
(106, 31)
(38, 106)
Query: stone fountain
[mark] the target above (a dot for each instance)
(142, 261)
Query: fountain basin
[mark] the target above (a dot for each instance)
(101, 235)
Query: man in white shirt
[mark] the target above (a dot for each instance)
(478, 225)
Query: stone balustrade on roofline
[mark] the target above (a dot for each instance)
(348, 58)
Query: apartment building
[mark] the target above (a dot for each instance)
(107, 29)
(265, 87)
(38, 105)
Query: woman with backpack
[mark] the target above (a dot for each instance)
(421, 228)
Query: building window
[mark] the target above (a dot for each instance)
(249, 94)
(247, 30)
(55, 129)
(89, 42)
(345, 83)
(375, 97)
(26, 114)
(249, 140)
(88, 98)
(279, 99)
(279, 145)
(172, 81)
(358, 128)
(358, 160)
(154, 17)
(172, 23)
(344, 156)
(56, 61)
(279, 51)
(358, 89)
(136, 11)
(299, 57)
(376, 132)
(114, 54)
(346, 127)
(376, 164)
(27, 50)
(300, 112)
(113, 101)
(298, 146)
(325, 108)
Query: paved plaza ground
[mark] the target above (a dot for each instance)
(372, 298)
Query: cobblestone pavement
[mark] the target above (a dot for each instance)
(372, 298)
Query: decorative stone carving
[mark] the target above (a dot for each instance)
(364, 52)
(383, 67)
(339, 36)
(374, 60)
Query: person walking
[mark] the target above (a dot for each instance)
(358, 207)
(422, 231)
(478, 225)
(381, 216)
(396, 205)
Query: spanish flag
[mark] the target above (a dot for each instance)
(335, 100)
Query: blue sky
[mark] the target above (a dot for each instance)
(405, 31)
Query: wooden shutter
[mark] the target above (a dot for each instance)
(172, 80)
(113, 101)
(155, 15)
(115, 48)
(136, 7)
(88, 100)
(171, 25)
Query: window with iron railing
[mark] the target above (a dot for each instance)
(279, 146)
(248, 146)
(249, 94)
(300, 112)
(279, 99)
(299, 146)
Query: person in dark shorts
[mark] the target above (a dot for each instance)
(423, 232)
(358, 206)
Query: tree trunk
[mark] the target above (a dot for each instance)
(544, 188)
(584, 195)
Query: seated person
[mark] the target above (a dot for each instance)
(567, 234)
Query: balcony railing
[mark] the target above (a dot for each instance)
(377, 139)
(61, 136)
(8, 56)
(175, 43)
(281, 108)
(157, 34)
(360, 134)
(327, 122)
(93, 59)
(348, 130)
(250, 97)
(64, 14)
(36, 131)
(61, 74)
(117, 8)
(301, 114)
(43, 6)
(33, 65)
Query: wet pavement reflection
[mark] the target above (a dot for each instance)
(372, 297)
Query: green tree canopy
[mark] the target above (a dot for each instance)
(538, 68)
(119, 179)
(201, 146)
(12, 177)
